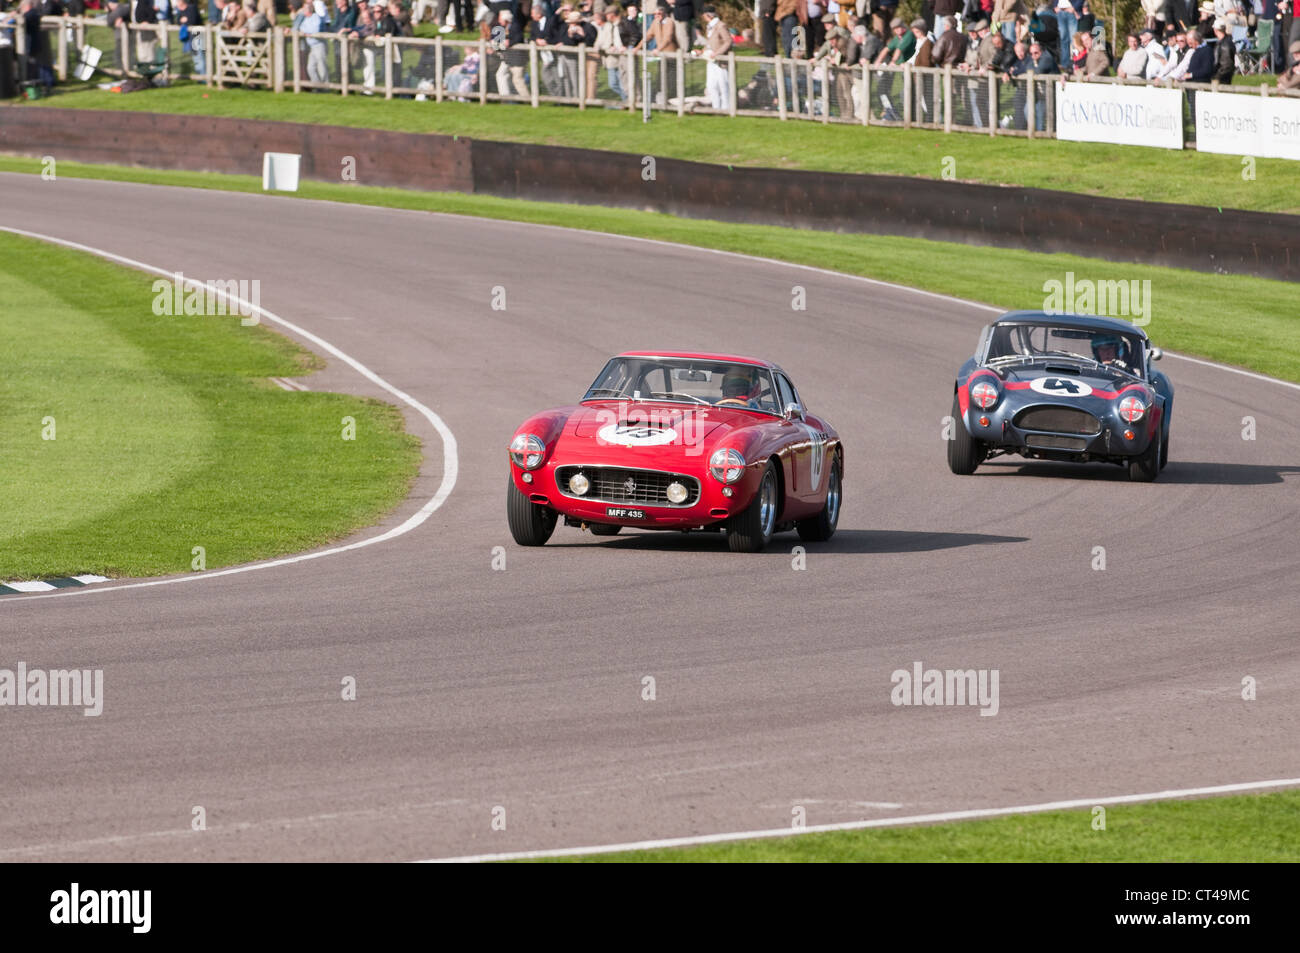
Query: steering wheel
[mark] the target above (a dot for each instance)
(733, 400)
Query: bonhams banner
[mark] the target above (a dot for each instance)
(1124, 115)
(1248, 125)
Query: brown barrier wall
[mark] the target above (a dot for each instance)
(1263, 244)
(212, 144)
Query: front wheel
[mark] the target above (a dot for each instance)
(531, 524)
(1145, 468)
(751, 529)
(964, 451)
(821, 527)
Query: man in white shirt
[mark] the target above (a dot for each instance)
(1157, 58)
(1180, 57)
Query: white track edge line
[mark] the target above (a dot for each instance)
(450, 465)
(864, 825)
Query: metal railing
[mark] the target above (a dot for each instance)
(473, 71)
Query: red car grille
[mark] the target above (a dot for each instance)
(621, 485)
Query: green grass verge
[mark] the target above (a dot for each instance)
(1154, 175)
(166, 432)
(1256, 827)
(1249, 322)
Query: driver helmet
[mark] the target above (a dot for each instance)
(740, 382)
(1110, 341)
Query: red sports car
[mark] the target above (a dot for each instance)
(676, 441)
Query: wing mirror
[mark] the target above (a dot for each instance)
(1156, 354)
(793, 412)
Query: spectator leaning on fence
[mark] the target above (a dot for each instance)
(950, 47)
(313, 19)
(513, 58)
(1097, 62)
(717, 43)
(924, 45)
(1178, 59)
(362, 31)
(1133, 64)
(613, 50)
(1157, 57)
(1200, 60)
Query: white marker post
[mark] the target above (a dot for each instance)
(280, 171)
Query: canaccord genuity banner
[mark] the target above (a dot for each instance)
(1124, 115)
(1243, 124)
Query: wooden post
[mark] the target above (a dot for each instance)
(345, 69)
(165, 40)
(681, 84)
(993, 104)
(277, 59)
(909, 95)
(582, 75)
(388, 67)
(437, 68)
(866, 93)
(733, 83)
(826, 92)
(947, 98)
(780, 87)
(295, 38)
(482, 71)
(633, 81)
(62, 67)
(1031, 111)
(532, 73)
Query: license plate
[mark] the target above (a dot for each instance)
(622, 513)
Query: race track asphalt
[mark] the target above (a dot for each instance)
(522, 688)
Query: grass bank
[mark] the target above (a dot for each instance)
(129, 438)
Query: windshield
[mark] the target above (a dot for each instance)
(1027, 343)
(687, 381)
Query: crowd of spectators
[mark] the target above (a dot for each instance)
(1181, 41)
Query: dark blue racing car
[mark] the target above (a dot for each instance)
(1062, 387)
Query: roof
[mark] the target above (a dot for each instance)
(1086, 322)
(703, 356)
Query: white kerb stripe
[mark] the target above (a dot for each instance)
(30, 586)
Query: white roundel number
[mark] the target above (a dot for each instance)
(631, 436)
(818, 458)
(1060, 387)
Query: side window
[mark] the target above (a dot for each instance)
(786, 391)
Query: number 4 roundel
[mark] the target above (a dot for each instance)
(1060, 387)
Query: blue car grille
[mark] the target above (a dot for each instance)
(1058, 420)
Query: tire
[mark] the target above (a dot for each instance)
(1145, 468)
(821, 527)
(751, 529)
(1164, 443)
(964, 451)
(531, 524)
(603, 529)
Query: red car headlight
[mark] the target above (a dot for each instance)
(984, 394)
(527, 450)
(1132, 409)
(726, 465)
